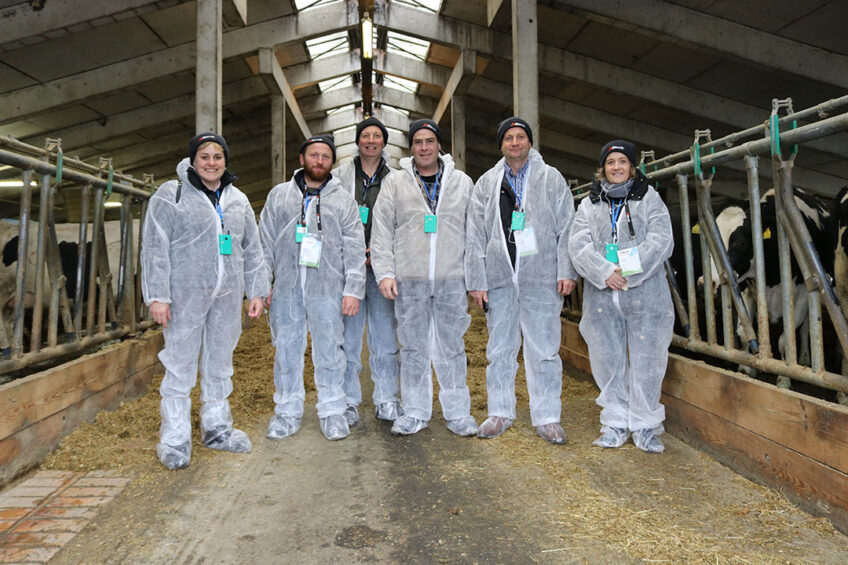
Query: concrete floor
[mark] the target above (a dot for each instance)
(437, 498)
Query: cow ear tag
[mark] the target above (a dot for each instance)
(767, 233)
(696, 229)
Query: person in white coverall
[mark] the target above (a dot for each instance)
(200, 255)
(312, 237)
(517, 268)
(417, 246)
(363, 177)
(620, 238)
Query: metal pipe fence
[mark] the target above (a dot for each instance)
(745, 335)
(105, 302)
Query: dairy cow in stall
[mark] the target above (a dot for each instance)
(734, 225)
(67, 237)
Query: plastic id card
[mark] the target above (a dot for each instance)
(517, 221)
(363, 214)
(525, 242)
(629, 261)
(310, 251)
(299, 232)
(611, 252)
(430, 223)
(225, 244)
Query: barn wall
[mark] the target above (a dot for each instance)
(775, 437)
(36, 412)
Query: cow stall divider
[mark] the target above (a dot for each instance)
(777, 138)
(95, 312)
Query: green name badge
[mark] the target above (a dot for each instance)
(225, 244)
(517, 221)
(363, 214)
(299, 232)
(430, 223)
(611, 250)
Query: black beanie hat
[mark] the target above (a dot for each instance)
(326, 138)
(619, 146)
(372, 121)
(513, 122)
(425, 123)
(201, 138)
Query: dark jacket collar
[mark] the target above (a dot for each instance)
(380, 174)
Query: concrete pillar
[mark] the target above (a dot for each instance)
(278, 139)
(458, 131)
(208, 68)
(525, 64)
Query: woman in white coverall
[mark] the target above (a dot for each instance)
(620, 238)
(200, 254)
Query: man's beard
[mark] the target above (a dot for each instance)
(316, 173)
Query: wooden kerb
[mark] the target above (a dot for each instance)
(36, 412)
(773, 436)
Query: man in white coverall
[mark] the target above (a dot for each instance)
(417, 245)
(312, 236)
(517, 268)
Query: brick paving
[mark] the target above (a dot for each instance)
(43, 513)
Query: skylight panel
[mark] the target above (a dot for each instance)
(306, 4)
(341, 109)
(328, 45)
(390, 108)
(400, 84)
(429, 5)
(407, 46)
(334, 83)
(396, 133)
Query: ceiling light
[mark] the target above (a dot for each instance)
(367, 37)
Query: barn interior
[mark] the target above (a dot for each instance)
(117, 79)
(116, 89)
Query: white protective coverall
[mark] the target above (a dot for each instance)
(181, 265)
(627, 331)
(311, 296)
(431, 307)
(523, 301)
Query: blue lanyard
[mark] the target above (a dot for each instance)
(218, 207)
(615, 213)
(431, 195)
(519, 194)
(366, 184)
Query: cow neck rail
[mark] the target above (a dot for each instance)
(59, 293)
(783, 249)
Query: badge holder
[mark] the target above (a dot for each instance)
(611, 252)
(525, 242)
(430, 223)
(517, 223)
(225, 244)
(310, 251)
(630, 262)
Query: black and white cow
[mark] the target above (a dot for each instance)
(67, 236)
(734, 226)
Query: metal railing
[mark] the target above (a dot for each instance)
(103, 307)
(746, 340)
